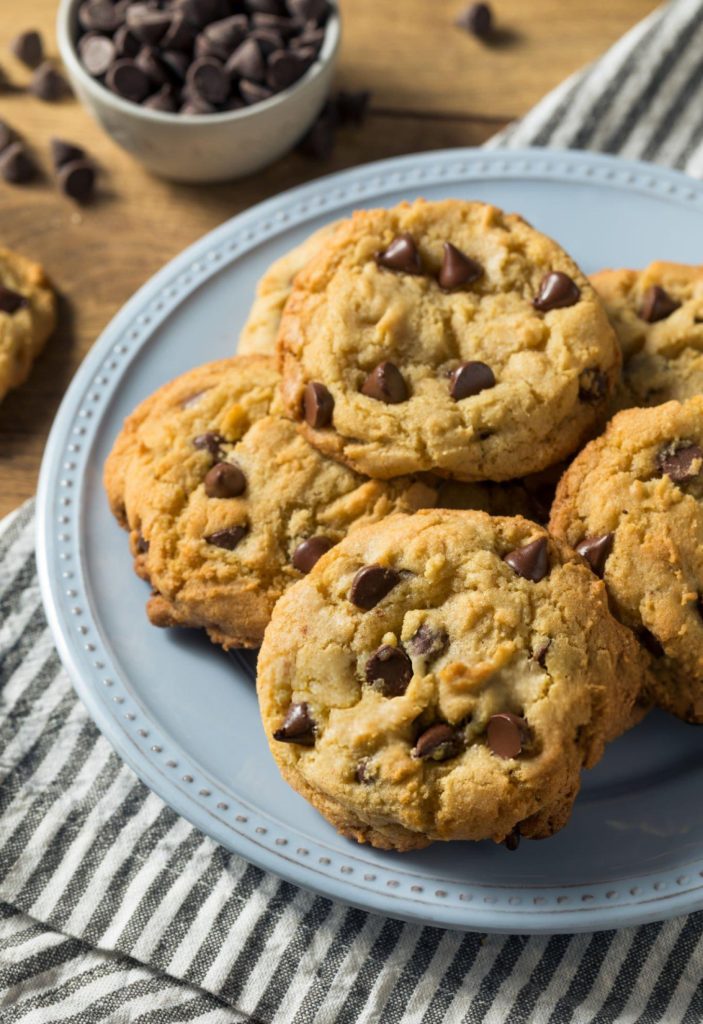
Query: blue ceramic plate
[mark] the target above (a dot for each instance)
(184, 715)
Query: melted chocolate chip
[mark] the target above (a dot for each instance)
(596, 550)
(470, 379)
(556, 290)
(457, 269)
(506, 734)
(298, 726)
(680, 461)
(225, 480)
(401, 256)
(657, 304)
(650, 642)
(593, 385)
(531, 561)
(389, 670)
(371, 584)
(386, 384)
(210, 442)
(310, 551)
(10, 301)
(428, 642)
(318, 405)
(227, 539)
(438, 743)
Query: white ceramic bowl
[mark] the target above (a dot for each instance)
(207, 147)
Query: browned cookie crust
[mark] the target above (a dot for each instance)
(27, 317)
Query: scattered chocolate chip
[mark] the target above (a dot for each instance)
(210, 442)
(680, 461)
(389, 670)
(650, 642)
(10, 301)
(225, 480)
(657, 304)
(457, 269)
(28, 48)
(318, 405)
(97, 53)
(596, 550)
(477, 19)
(470, 379)
(540, 654)
(310, 551)
(556, 291)
(284, 68)
(362, 772)
(6, 135)
(438, 743)
(48, 84)
(65, 152)
(386, 384)
(401, 256)
(371, 584)
(76, 179)
(247, 62)
(16, 165)
(298, 726)
(228, 538)
(163, 100)
(428, 642)
(351, 106)
(128, 80)
(593, 385)
(512, 840)
(531, 561)
(318, 142)
(506, 734)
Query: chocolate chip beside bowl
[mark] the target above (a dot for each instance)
(48, 84)
(16, 165)
(227, 539)
(310, 551)
(298, 726)
(28, 48)
(389, 670)
(680, 461)
(386, 384)
(470, 379)
(318, 405)
(478, 20)
(506, 734)
(531, 561)
(457, 269)
(596, 550)
(556, 290)
(371, 584)
(10, 301)
(76, 179)
(657, 304)
(438, 743)
(224, 480)
(401, 255)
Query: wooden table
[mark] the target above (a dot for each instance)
(433, 86)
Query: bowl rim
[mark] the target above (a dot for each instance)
(69, 56)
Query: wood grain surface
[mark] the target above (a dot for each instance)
(433, 86)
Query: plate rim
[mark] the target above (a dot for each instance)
(57, 493)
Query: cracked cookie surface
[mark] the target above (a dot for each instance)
(445, 676)
(27, 317)
(448, 337)
(632, 502)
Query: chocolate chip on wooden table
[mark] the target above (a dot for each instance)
(371, 584)
(48, 84)
(317, 405)
(556, 290)
(16, 165)
(6, 135)
(10, 301)
(657, 304)
(438, 743)
(308, 553)
(222, 37)
(531, 561)
(252, 92)
(227, 539)
(298, 726)
(225, 480)
(210, 442)
(76, 179)
(128, 80)
(680, 461)
(389, 670)
(477, 19)
(401, 255)
(428, 642)
(351, 107)
(386, 384)
(470, 379)
(28, 48)
(506, 733)
(97, 53)
(596, 551)
(457, 269)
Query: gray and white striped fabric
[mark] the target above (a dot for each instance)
(114, 909)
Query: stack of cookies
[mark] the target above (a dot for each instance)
(364, 492)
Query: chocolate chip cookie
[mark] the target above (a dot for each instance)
(632, 504)
(27, 317)
(657, 314)
(227, 504)
(445, 336)
(258, 336)
(445, 676)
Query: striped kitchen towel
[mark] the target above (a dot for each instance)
(112, 908)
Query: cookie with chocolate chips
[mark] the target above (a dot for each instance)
(632, 505)
(227, 504)
(445, 676)
(657, 314)
(27, 317)
(448, 337)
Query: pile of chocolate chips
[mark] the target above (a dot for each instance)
(200, 56)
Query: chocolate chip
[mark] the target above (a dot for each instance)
(267, 39)
(593, 385)
(210, 442)
(477, 19)
(457, 269)
(100, 15)
(10, 301)
(76, 179)
(401, 256)
(128, 80)
(389, 670)
(196, 106)
(228, 538)
(540, 654)
(596, 550)
(657, 304)
(16, 165)
(252, 92)
(65, 152)
(371, 584)
(362, 772)
(202, 12)
(28, 48)
(207, 80)
(225, 480)
(163, 100)
(148, 24)
(274, 7)
(680, 461)
(176, 63)
(284, 68)
(650, 642)
(97, 53)
(298, 726)
(310, 551)
(531, 561)
(48, 84)
(351, 106)
(556, 291)
(506, 734)
(318, 405)
(226, 34)
(247, 62)
(470, 379)
(428, 642)
(6, 135)
(438, 743)
(512, 840)
(307, 10)
(126, 43)
(386, 384)
(149, 60)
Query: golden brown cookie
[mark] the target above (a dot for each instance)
(27, 317)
